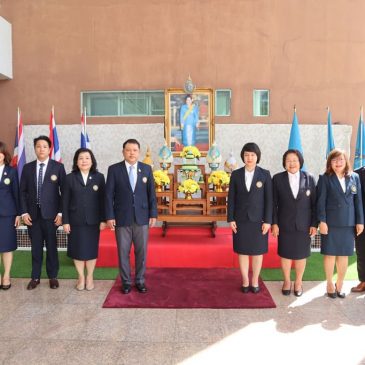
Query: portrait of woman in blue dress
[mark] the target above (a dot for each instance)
(189, 121)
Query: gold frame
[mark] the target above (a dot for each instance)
(178, 95)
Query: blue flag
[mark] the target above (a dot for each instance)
(330, 140)
(360, 145)
(295, 142)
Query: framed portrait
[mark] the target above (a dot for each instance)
(189, 119)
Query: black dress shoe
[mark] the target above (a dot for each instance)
(53, 283)
(126, 288)
(6, 287)
(141, 288)
(298, 293)
(286, 291)
(332, 295)
(245, 289)
(340, 294)
(33, 284)
(255, 289)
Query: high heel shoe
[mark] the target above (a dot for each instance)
(286, 292)
(298, 293)
(340, 294)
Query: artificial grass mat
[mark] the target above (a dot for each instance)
(314, 271)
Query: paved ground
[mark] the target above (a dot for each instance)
(65, 326)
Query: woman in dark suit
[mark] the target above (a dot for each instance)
(339, 210)
(9, 214)
(83, 214)
(294, 218)
(250, 214)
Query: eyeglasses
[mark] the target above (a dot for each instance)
(338, 159)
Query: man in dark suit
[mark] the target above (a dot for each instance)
(131, 209)
(360, 241)
(41, 185)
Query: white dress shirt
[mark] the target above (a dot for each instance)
(44, 168)
(134, 171)
(2, 171)
(84, 177)
(294, 183)
(342, 181)
(249, 178)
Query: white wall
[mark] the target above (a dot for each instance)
(6, 57)
(107, 139)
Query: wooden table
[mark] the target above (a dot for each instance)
(192, 205)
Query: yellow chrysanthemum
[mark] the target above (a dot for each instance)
(161, 178)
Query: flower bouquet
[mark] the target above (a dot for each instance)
(189, 187)
(190, 152)
(219, 179)
(161, 179)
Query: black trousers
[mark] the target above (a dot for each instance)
(360, 252)
(43, 231)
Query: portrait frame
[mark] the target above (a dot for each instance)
(203, 99)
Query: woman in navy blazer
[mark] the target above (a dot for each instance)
(294, 218)
(83, 214)
(249, 214)
(9, 213)
(339, 210)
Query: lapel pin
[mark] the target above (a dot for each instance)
(54, 178)
(96, 188)
(308, 192)
(7, 181)
(144, 179)
(259, 184)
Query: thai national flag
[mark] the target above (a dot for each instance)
(85, 142)
(55, 149)
(18, 160)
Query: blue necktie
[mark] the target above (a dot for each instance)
(131, 177)
(39, 184)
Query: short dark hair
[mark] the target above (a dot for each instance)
(132, 141)
(251, 147)
(42, 138)
(294, 152)
(76, 157)
(5, 152)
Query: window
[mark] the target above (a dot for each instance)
(222, 102)
(124, 103)
(261, 103)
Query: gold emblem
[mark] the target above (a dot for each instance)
(96, 188)
(259, 184)
(54, 178)
(353, 189)
(144, 179)
(308, 192)
(7, 181)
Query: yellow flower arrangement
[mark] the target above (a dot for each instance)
(190, 150)
(189, 186)
(219, 177)
(161, 178)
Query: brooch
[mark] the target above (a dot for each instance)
(96, 188)
(54, 178)
(144, 179)
(7, 181)
(259, 184)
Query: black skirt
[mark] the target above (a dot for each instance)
(7, 234)
(294, 245)
(340, 241)
(249, 239)
(83, 242)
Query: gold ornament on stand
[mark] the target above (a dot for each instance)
(147, 159)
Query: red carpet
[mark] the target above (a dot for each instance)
(185, 247)
(190, 288)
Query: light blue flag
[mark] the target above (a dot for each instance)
(295, 142)
(360, 144)
(330, 139)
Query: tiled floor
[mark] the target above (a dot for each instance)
(65, 326)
